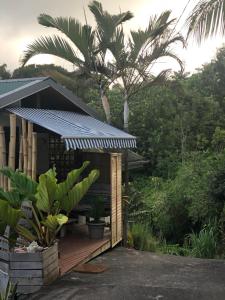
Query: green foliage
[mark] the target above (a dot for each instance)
(8, 214)
(9, 293)
(206, 19)
(204, 244)
(48, 200)
(97, 208)
(218, 139)
(4, 73)
(185, 203)
(21, 184)
(141, 238)
(174, 249)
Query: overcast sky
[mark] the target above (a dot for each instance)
(18, 26)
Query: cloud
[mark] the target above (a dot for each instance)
(19, 26)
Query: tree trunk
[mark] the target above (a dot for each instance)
(126, 172)
(106, 107)
(126, 114)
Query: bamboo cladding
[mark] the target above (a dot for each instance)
(24, 138)
(26, 159)
(3, 179)
(29, 148)
(34, 156)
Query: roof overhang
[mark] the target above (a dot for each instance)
(36, 85)
(77, 130)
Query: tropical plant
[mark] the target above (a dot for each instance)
(9, 293)
(53, 197)
(207, 19)
(204, 244)
(140, 237)
(49, 200)
(4, 73)
(136, 57)
(92, 45)
(97, 208)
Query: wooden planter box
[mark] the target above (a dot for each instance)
(31, 271)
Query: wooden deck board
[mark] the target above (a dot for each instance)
(76, 248)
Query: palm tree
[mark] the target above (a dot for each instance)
(135, 58)
(207, 19)
(82, 46)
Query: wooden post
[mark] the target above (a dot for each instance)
(24, 135)
(125, 202)
(21, 154)
(12, 144)
(29, 143)
(116, 201)
(34, 155)
(2, 156)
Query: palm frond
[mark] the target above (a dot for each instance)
(207, 19)
(107, 23)
(54, 46)
(157, 29)
(82, 36)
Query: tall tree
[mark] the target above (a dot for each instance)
(207, 19)
(82, 45)
(136, 57)
(4, 73)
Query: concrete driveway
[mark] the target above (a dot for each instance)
(142, 275)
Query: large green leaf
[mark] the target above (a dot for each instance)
(55, 45)
(82, 36)
(72, 177)
(13, 197)
(53, 222)
(21, 183)
(9, 215)
(26, 233)
(46, 191)
(78, 191)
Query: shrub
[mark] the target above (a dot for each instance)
(204, 244)
(174, 249)
(140, 237)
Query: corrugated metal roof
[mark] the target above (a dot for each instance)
(77, 130)
(12, 85)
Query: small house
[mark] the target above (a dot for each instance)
(43, 124)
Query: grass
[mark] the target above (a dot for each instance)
(201, 245)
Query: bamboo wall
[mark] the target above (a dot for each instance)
(26, 159)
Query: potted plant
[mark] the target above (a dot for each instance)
(51, 203)
(96, 226)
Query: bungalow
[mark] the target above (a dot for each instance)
(43, 124)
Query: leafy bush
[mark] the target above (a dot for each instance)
(178, 206)
(174, 249)
(203, 244)
(140, 237)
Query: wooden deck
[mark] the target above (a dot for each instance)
(76, 248)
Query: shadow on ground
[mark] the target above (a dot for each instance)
(142, 275)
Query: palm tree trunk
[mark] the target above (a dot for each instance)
(126, 171)
(106, 107)
(126, 114)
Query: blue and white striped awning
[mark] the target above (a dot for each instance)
(77, 130)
